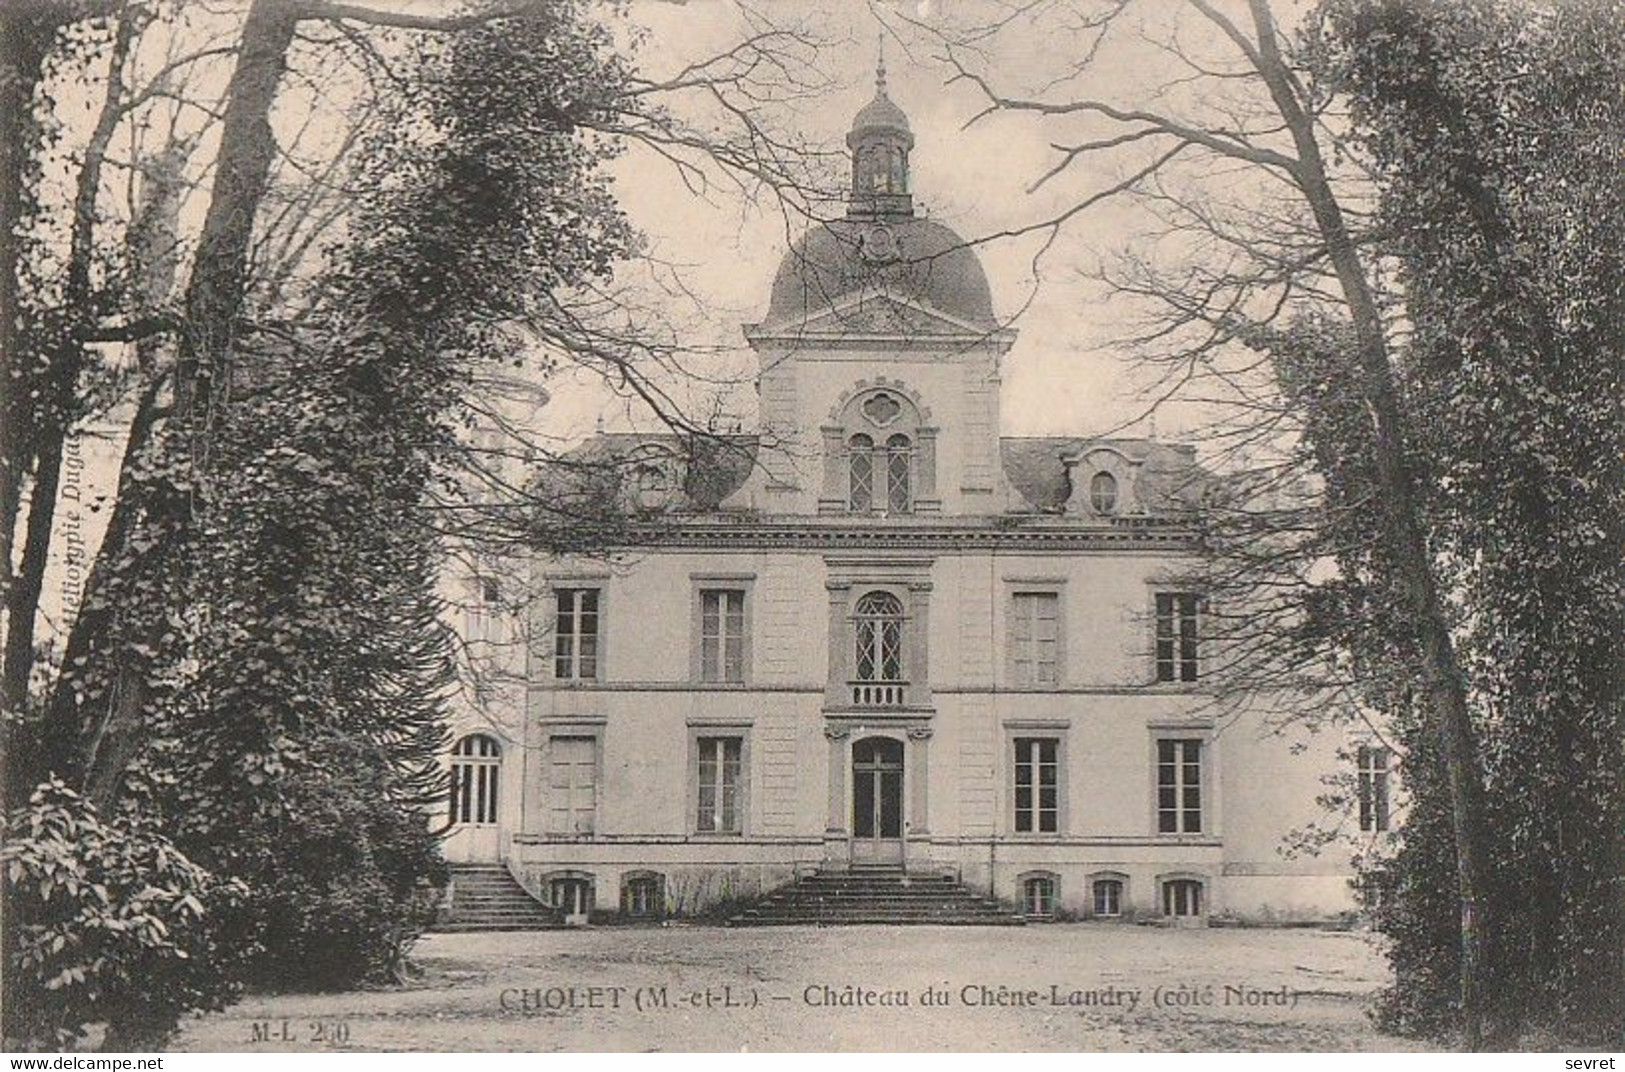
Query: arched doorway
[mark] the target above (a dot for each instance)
(877, 801)
(476, 776)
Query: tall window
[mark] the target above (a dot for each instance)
(1103, 493)
(880, 454)
(1177, 620)
(481, 614)
(722, 634)
(1372, 763)
(476, 762)
(572, 785)
(1038, 800)
(1035, 638)
(575, 634)
(719, 789)
(1179, 786)
(897, 466)
(880, 637)
(861, 492)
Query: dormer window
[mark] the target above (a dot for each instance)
(650, 487)
(880, 454)
(1103, 493)
(889, 467)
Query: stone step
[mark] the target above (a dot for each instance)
(875, 895)
(879, 920)
(486, 898)
(865, 914)
(898, 891)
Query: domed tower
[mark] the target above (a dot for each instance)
(880, 140)
(880, 352)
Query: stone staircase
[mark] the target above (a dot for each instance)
(875, 895)
(485, 897)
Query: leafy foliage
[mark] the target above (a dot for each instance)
(260, 669)
(113, 925)
(314, 735)
(345, 878)
(1496, 130)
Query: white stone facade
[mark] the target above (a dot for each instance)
(726, 707)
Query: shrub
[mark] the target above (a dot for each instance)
(345, 879)
(107, 922)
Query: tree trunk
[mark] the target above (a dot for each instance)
(1445, 684)
(213, 302)
(24, 35)
(219, 281)
(51, 425)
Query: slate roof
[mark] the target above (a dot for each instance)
(1170, 480)
(710, 468)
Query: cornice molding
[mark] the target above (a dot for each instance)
(934, 537)
(900, 347)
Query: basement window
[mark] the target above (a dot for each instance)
(1038, 896)
(1182, 898)
(643, 896)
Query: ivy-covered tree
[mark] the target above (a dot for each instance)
(1496, 131)
(1380, 245)
(323, 658)
(257, 667)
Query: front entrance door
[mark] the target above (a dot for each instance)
(476, 770)
(877, 801)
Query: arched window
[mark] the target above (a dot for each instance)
(1108, 897)
(571, 893)
(476, 762)
(1182, 897)
(643, 895)
(861, 494)
(1103, 493)
(650, 487)
(880, 637)
(897, 469)
(1038, 895)
(880, 452)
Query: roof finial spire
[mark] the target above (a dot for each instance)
(880, 67)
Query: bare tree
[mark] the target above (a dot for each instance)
(269, 211)
(1242, 164)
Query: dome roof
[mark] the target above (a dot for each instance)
(879, 114)
(917, 259)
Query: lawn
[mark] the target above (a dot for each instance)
(1060, 987)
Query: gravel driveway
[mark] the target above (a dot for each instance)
(1058, 987)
